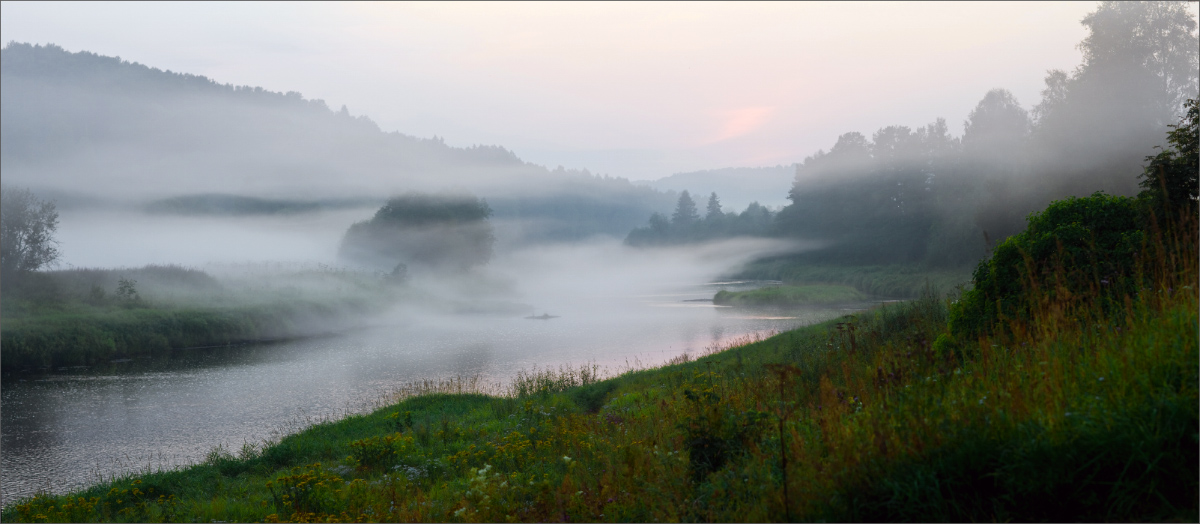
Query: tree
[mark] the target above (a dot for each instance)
(997, 129)
(685, 211)
(435, 232)
(1155, 37)
(1094, 125)
(1170, 180)
(27, 227)
(714, 208)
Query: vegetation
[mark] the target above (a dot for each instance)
(895, 280)
(924, 197)
(1083, 409)
(430, 231)
(686, 225)
(90, 316)
(27, 227)
(790, 295)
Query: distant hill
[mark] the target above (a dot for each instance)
(96, 128)
(737, 187)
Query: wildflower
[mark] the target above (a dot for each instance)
(566, 459)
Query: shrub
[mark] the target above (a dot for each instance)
(1076, 246)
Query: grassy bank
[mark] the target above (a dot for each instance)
(1063, 386)
(86, 336)
(896, 281)
(1087, 415)
(89, 316)
(790, 295)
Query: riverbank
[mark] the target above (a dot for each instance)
(1009, 403)
(790, 296)
(84, 317)
(893, 281)
(86, 337)
(847, 420)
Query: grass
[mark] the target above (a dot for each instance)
(790, 295)
(896, 281)
(99, 335)
(72, 317)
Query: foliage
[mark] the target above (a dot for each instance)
(1078, 246)
(1170, 180)
(920, 196)
(429, 231)
(27, 227)
(873, 201)
(686, 226)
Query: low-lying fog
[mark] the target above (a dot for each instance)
(613, 306)
(600, 266)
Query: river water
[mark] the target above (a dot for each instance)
(65, 429)
(616, 307)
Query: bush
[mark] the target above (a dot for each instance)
(1076, 246)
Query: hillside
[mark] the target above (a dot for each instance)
(84, 126)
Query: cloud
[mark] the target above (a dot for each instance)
(743, 121)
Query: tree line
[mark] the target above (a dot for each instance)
(686, 225)
(904, 195)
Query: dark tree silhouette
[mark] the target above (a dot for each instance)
(685, 211)
(433, 232)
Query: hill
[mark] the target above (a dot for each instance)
(86, 126)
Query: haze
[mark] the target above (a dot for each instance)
(635, 90)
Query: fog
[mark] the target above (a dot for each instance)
(322, 243)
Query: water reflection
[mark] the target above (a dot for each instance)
(61, 430)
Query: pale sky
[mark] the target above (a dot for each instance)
(638, 90)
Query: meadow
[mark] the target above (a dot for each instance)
(1081, 407)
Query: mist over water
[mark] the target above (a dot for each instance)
(64, 428)
(616, 306)
(130, 238)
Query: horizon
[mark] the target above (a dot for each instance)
(730, 102)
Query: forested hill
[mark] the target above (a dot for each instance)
(86, 124)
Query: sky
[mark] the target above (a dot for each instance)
(636, 90)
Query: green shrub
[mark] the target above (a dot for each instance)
(1077, 246)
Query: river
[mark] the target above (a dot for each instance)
(616, 307)
(68, 428)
